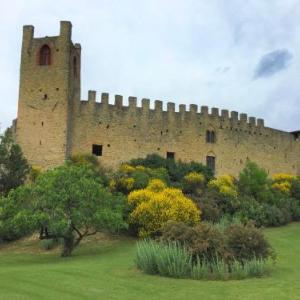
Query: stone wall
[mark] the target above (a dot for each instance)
(132, 131)
(53, 123)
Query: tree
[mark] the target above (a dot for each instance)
(13, 166)
(253, 181)
(67, 202)
(71, 204)
(16, 217)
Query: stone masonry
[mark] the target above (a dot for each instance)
(53, 123)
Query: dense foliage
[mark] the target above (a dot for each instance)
(154, 206)
(209, 243)
(174, 260)
(13, 166)
(68, 202)
(177, 170)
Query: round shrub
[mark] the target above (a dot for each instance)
(225, 184)
(156, 205)
(204, 241)
(246, 242)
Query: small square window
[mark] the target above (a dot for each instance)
(97, 150)
(171, 155)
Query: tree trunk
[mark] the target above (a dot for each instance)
(68, 246)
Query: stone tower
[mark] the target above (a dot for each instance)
(49, 90)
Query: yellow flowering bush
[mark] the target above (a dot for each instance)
(129, 178)
(283, 186)
(283, 182)
(157, 204)
(225, 185)
(284, 177)
(194, 178)
(194, 182)
(125, 168)
(156, 185)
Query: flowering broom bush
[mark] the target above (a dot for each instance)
(153, 206)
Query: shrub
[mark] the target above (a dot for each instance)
(295, 189)
(176, 169)
(251, 210)
(129, 178)
(194, 182)
(204, 241)
(173, 260)
(225, 185)
(157, 204)
(246, 242)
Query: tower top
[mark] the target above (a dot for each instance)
(65, 30)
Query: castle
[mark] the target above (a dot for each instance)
(53, 123)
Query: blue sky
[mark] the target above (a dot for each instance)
(233, 54)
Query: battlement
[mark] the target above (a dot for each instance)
(224, 115)
(65, 31)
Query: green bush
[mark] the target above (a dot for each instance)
(205, 240)
(173, 260)
(176, 169)
(246, 242)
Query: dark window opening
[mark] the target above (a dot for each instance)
(210, 136)
(45, 97)
(42, 123)
(45, 55)
(75, 66)
(97, 150)
(211, 163)
(171, 155)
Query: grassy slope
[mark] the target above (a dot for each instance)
(106, 271)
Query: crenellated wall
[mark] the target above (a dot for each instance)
(53, 123)
(132, 131)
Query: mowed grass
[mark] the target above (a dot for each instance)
(104, 269)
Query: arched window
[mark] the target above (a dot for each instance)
(45, 55)
(210, 136)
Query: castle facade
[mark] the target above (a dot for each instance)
(53, 122)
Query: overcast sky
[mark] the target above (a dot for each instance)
(233, 54)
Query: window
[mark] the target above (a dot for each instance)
(45, 55)
(210, 136)
(75, 66)
(211, 162)
(97, 150)
(171, 155)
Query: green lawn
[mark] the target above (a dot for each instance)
(105, 270)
